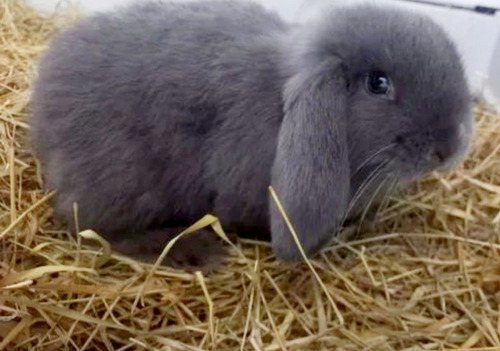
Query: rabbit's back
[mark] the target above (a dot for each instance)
(125, 104)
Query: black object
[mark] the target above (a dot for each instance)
(485, 10)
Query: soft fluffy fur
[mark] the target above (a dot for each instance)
(154, 115)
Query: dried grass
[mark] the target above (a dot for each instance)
(427, 277)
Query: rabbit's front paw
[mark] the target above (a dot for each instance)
(199, 251)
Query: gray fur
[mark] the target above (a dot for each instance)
(156, 114)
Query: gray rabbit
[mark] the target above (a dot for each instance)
(156, 114)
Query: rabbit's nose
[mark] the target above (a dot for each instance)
(442, 151)
(446, 143)
(449, 146)
(438, 155)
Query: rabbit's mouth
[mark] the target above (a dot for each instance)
(418, 154)
(396, 165)
(407, 167)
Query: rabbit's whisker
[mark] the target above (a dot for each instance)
(372, 156)
(366, 183)
(368, 204)
(389, 191)
(389, 180)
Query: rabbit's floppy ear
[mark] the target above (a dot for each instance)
(310, 174)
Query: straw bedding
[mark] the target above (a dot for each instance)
(425, 275)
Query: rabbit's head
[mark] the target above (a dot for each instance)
(375, 95)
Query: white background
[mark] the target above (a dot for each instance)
(477, 36)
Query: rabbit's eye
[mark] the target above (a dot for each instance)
(378, 83)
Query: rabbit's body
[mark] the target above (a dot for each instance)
(154, 139)
(156, 115)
